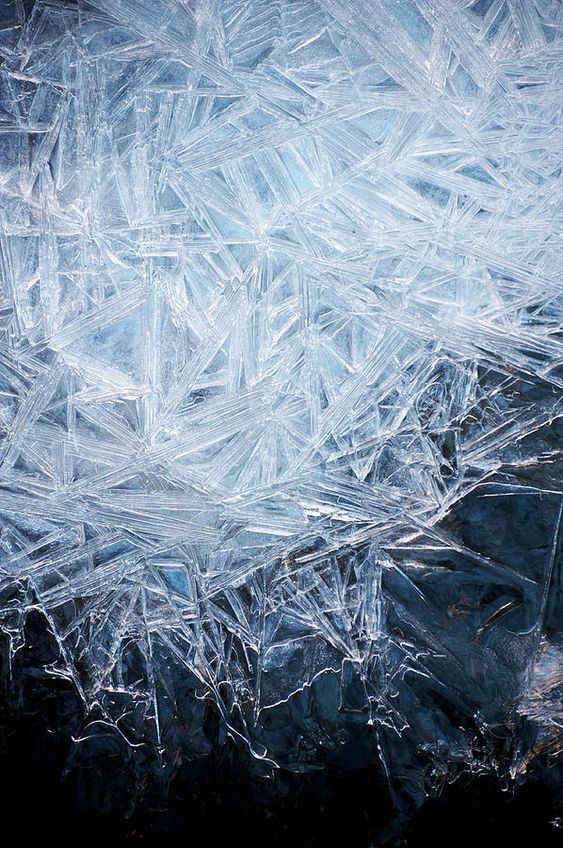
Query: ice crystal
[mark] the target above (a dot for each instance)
(281, 370)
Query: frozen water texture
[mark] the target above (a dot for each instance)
(281, 371)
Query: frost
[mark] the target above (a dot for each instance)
(281, 370)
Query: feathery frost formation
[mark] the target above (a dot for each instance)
(281, 372)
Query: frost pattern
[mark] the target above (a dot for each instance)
(281, 371)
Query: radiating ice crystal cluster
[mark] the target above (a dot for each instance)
(281, 370)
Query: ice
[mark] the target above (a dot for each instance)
(281, 368)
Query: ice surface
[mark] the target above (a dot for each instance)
(281, 367)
